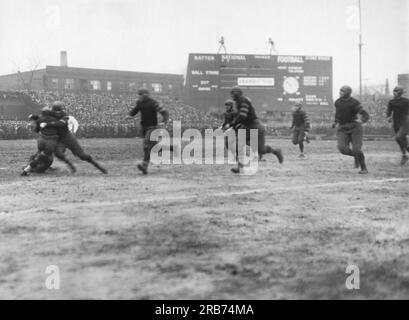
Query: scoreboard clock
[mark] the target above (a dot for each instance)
(291, 85)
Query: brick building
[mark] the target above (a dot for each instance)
(64, 78)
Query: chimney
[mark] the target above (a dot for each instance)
(63, 59)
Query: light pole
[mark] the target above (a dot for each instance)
(360, 50)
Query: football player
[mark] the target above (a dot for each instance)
(350, 129)
(300, 127)
(246, 118)
(397, 112)
(148, 108)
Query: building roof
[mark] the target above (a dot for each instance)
(105, 73)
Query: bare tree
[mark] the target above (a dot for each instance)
(25, 78)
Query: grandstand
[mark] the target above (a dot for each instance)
(102, 114)
(16, 105)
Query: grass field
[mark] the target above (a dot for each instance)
(199, 232)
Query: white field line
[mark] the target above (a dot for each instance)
(162, 199)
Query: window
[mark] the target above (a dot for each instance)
(69, 84)
(54, 83)
(157, 87)
(170, 87)
(95, 84)
(122, 86)
(133, 86)
(109, 85)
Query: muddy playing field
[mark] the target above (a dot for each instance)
(199, 232)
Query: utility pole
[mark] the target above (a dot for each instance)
(360, 51)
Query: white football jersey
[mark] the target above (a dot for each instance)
(72, 124)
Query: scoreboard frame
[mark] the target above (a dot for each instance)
(272, 82)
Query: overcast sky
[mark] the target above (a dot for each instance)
(158, 35)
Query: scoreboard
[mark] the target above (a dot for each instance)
(272, 82)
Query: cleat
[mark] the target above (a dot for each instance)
(235, 170)
(99, 167)
(404, 159)
(103, 170)
(25, 174)
(72, 168)
(301, 155)
(363, 171)
(278, 153)
(142, 168)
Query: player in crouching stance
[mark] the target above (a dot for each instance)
(398, 110)
(350, 130)
(246, 118)
(149, 108)
(300, 127)
(229, 115)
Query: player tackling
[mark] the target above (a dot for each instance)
(68, 140)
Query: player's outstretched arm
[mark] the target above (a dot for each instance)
(33, 117)
(62, 123)
(389, 112)
(364, 115)
(336, 120)
(165, 115)
(292, 123)
(133, 112)
(307, 125)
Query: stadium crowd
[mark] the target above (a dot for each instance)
(101, 115)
